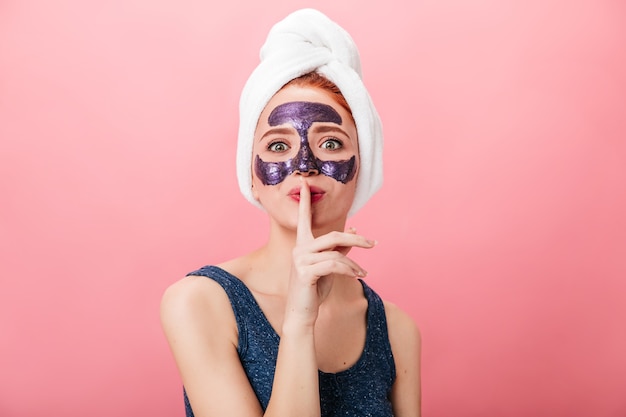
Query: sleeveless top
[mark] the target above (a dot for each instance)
(361, 390)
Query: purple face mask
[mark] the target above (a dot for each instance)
(301, 115)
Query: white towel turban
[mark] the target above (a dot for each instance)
(307, 41)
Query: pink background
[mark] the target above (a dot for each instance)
(501, 222)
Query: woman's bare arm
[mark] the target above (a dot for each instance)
(405, 341)
(200, 326)
(315, 263)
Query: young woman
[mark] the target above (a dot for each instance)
(292, 329)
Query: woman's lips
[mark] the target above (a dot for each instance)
(316, 194)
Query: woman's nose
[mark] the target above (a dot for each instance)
(305, 163)
(308, 172)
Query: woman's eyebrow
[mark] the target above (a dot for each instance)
(327, 129)
(278, 131)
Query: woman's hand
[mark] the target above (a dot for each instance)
(317, 262)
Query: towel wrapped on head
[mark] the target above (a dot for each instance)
(303, 42)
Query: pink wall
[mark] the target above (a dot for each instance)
(501, 222)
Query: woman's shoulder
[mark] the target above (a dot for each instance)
(402, 328)
(197, 287)
(195, 303)
(191, 289)
(399, 320)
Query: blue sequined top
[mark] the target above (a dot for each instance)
(361, 390)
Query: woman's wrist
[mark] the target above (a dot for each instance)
(297, 325)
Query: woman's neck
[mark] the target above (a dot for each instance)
(269, 267)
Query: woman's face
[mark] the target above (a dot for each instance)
(304, 132)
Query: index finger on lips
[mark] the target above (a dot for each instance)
(304, 231)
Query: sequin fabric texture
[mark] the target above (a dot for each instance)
(361, 390)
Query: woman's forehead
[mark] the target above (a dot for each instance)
(302, 114)
(320, 106)
(292, 93)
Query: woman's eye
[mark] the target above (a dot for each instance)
(278, 147)
(331, 144)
